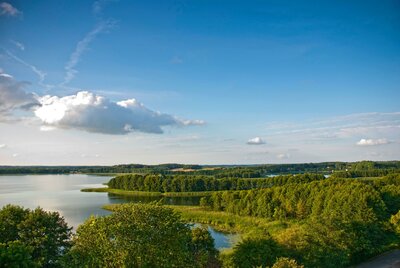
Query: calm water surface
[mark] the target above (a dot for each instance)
(62, 193)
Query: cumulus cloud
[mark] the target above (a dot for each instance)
(255, 141)
(7, 9)
(94, 113)
(13, 96)
(372, 142)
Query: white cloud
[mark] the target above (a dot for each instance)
(47, 128)
(7, 9)
(256, 141)
(193, 122)
(13, 96)
(2, 146)
(94, 113)
(283, 156)
(372, 142)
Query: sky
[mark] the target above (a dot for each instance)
(198, 82)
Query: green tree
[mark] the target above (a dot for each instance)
(137, 235)
(203, 248)
(286, 263)
(95, 245)
(395, 221)
(16, 254)
(255, 252)
(44, 235)
(10, 217)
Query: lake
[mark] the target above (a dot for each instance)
(62, 193)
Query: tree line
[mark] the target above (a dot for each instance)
(188, 183)
(364, 173)
(330, 198)
(223, 171)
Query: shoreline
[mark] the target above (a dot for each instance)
(144, 193)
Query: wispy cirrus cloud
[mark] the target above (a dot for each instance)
(98, 6)
(81, 47)
(19, 45)
(351, 137)
(102, 26)
(6, 9)
(340, 127)
(40, 74)
(70, 67)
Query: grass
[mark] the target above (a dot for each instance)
(227, 222)
(104, 174)
(97, 190)
(188, 194)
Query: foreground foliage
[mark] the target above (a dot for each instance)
(283, 262)
(30, 238)
(142, 235)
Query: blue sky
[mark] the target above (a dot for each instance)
(214, 81)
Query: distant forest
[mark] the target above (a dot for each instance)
(343, 169)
